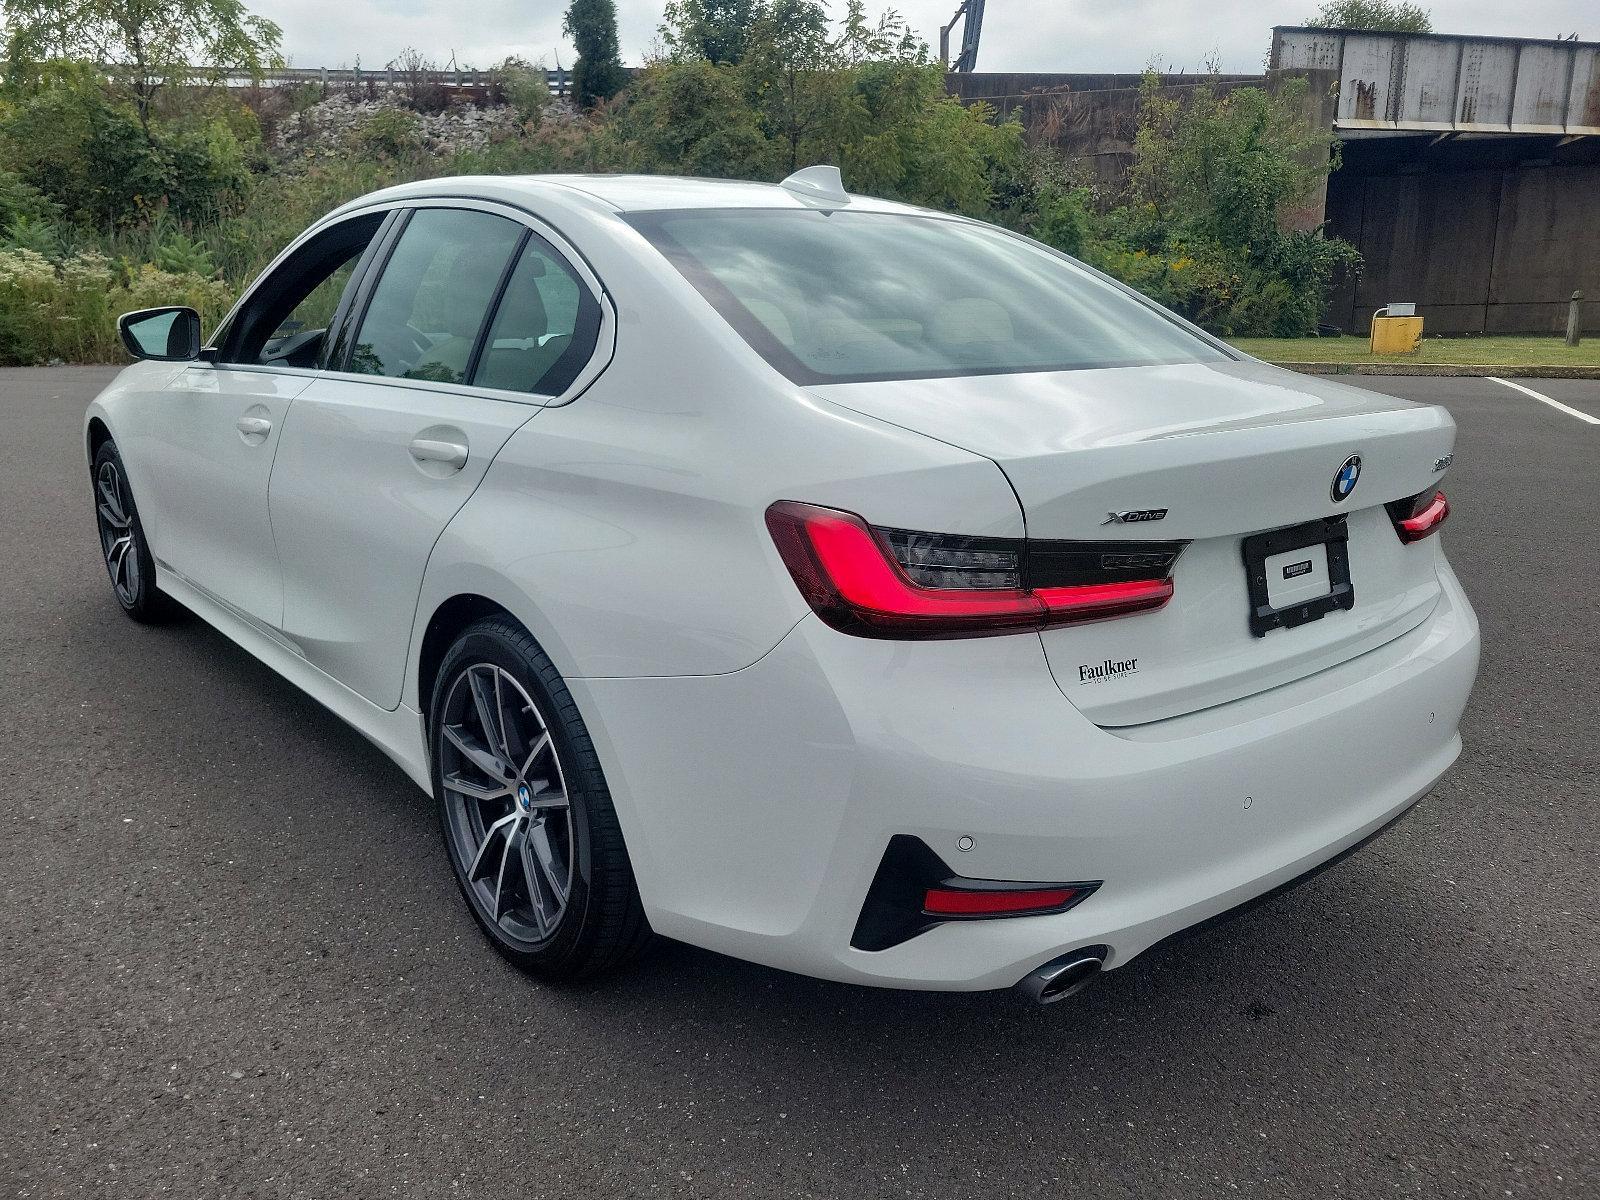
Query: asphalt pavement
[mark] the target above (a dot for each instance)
(233, 961)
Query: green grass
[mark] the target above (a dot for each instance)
(1468, 351)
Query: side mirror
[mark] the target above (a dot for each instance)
(170, 334)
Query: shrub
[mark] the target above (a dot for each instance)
(205, 169)
(918, 144)
(1199, 227)
(523, 86)
(179, 254)
(388, 133)
(42, 237)
(20, 200)
(745, 89)
(1063, 218)
(69, 311)
(688, 118)
(87, 154)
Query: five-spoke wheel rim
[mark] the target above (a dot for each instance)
(506, 803)
(114, 509)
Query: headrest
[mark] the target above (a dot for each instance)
(770, 315)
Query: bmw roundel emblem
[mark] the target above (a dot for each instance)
(1344, 482)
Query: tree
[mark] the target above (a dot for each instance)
(1201, 227)
(715, 30)
(787, 69)
(690, 118)
(83, 151)
(145, 44)
(1227, 164)
(597, 74)
(862, 94)
(1379, 16)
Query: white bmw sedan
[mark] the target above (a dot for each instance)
(852, 588)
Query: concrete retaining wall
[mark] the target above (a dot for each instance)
(1091, 119)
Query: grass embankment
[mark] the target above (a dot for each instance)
(1437, 351)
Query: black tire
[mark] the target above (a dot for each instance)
(601, 924)
(130, 567)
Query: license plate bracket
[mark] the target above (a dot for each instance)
(1330, 532)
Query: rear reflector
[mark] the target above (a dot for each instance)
(874, 583)
(914, 890)
(960, 902)
(1421, 515)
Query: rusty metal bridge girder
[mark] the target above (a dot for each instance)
(1448, 83)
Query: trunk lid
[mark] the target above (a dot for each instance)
(1229, 450)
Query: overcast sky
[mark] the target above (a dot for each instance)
(1018, 35)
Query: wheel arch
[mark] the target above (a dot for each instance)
(96, 434)
(445, 624)
(451, 599)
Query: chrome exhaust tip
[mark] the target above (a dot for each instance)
(1064, 976)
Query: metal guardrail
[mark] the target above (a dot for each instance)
(1395, 82)
(456, 78)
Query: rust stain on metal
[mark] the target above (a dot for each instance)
(1366, 100)
(1591, 102)
(1469, 108)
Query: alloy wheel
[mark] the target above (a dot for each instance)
(114, 510)
(506, 800)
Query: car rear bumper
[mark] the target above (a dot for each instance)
(757, 805)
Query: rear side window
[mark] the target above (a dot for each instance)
(424, 316)
(844, 297)
(544, 330)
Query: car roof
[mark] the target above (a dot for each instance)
(621, 193)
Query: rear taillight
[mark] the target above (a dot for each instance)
(893, 583)
(1417, 516)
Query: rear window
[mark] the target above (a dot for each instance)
(842, 297)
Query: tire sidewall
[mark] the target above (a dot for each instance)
(143, 605)
(484, 643)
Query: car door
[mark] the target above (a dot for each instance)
(210, 437)
(445, 351)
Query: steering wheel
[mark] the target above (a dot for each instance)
(296, 350)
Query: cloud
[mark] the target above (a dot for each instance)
(1018, 35)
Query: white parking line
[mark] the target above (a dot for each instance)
(1528, 391)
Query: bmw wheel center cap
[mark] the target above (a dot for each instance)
(524, 796)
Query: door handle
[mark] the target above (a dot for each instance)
(254, 426)
(430, 450)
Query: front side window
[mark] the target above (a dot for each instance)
(286, 320)
(424, 316)
(317, 310)
(843, 297)
(544, 330)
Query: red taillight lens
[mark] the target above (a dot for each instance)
(850, 576)
(1420, 516)
(994, 902)
(1090, 601)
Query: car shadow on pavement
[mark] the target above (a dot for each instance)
(1342, 942)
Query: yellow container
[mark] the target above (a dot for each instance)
(1396, 335)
